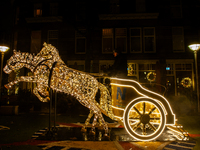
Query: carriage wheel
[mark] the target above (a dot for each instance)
(144, 119)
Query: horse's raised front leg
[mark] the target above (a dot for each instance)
(20, 79)
(40, 89)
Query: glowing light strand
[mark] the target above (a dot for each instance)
(50, 71)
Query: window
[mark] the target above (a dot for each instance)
(53, 37)
(120, 39)
(114, 6)
(107, 40)
(147, 72)
(184, 72)
(136, 40)
(176, 8)
(80, 42)
(81, 10)
(177, 71)
(15, 40)
(149, 40)
(54, 9)
(148, 43)
(145, 67)
(17, 15)
(170, 69)
(178, 39)
(140, 6)
(104, 65)
(76, 64)
(37, 10)
(35, 41)
(183, 67)
(132, 69)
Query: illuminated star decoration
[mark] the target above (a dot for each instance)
(50, 71)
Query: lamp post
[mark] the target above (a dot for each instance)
(3, 49)
(195, 48)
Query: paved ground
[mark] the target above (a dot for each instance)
(21, 133)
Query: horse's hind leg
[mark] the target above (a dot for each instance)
(102, 122)
(87, 121)
(89, 117)
(98, 115)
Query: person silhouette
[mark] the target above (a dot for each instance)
(119, 68)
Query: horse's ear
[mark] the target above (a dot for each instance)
(14, 51)
(45, 44)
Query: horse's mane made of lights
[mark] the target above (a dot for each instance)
(49, 71)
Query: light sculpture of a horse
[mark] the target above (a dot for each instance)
(51, 72)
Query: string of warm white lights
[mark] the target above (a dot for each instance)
(50, 71)
(144, 117)
(186, 82)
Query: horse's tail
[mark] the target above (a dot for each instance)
(105, 101)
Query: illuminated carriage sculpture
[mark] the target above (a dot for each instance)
(143, 113)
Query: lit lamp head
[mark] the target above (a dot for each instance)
(3, 49)
(194, 47)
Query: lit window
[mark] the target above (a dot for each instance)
(147, 72)
(132, 69)
(37, 10)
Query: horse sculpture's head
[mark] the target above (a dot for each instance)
(15, 62)
(49, 52)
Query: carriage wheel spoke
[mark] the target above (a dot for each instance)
(136, 126)
(134, 119)
(133, 124)
(155, 118)
(137, 110)
(152, 110)
(144, 130)
(144, 107)
(152, 126)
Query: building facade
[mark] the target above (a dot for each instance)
(153, 36)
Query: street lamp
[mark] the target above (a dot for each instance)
(3, 49)
(195, 48)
